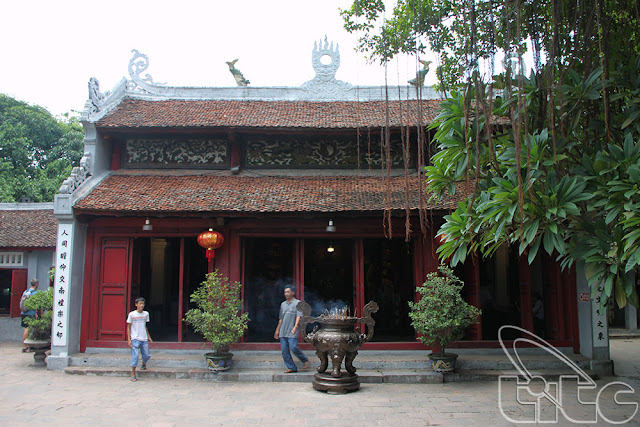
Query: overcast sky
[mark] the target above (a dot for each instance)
(50, 49)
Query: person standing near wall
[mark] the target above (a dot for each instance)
(25, 314)
(138, 336)
(287, 331)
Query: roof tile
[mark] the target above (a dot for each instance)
(143, 194)
(28, 229)
(135, 113)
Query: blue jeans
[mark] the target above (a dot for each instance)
(291, 344)
(138, 347)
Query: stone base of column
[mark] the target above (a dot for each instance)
(631, 318)
(602, 368)
(57, 363)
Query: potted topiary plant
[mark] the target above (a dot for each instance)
(39, 327)
(218, 317)
(441, 315)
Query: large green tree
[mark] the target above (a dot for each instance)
(555, 152)
(37, 151)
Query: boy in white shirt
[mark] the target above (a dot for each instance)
(138, 336)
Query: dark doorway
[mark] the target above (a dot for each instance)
(156, 267)
(156, 277)
(5, 291)
(388, 280)
(268, 269)
(500, 293)
(328, 274)
(195, 272)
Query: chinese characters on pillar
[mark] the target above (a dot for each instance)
(61, 284)
(599, 321)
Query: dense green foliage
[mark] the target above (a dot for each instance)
(218, 314)
(576, 198)
(37, 151)
(467, 35)
(42, 303)
(441, 315)
(555, 156)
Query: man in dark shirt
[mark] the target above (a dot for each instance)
(287, 331)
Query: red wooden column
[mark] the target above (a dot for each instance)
(298, 268)
(430, 257)
(560, 301)
(526, 304)
(88, 327)
(116, 153)
(298, 276)
(236, 151)
(550, 298)
(235, 257)
(426, 261)
(472, 291)
(181, 290)
(571, 301)
(358, 277)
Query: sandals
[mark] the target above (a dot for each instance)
(305, 365)
(134, 378)
(143, 367)
(24, 350)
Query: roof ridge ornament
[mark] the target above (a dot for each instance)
(78, 175)
(418, 82)
(325, 71)
(96, 97)
(237, 75)
(137, 65)
(325, 59)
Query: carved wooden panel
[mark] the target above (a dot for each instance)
(301, 152)
(176, 153)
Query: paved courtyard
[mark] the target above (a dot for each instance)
(34, 396)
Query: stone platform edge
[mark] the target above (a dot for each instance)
(365, 376)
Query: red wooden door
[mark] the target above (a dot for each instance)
(18, 286)
(114, 287)
(358, 278)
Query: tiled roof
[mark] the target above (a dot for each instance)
(136, 113)
(28, 229)
(142, 194)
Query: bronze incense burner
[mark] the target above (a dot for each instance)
(337, 338)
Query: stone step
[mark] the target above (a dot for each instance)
(366, 360)
(422, 376)
(623, 333)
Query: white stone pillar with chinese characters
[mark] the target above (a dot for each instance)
(67, 300)
(60, 323)
(592, 325)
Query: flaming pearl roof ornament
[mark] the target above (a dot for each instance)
(326, 61)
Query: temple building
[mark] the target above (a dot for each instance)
(314, 186)
(27, 251)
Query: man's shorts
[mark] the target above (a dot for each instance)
(23, 317)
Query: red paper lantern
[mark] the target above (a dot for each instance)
(210, 240)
